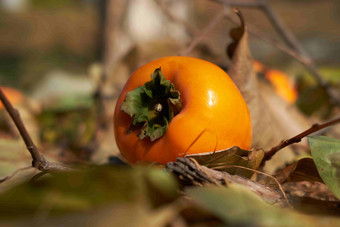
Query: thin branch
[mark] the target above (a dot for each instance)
(280, 27)
(276, 21)
(14, 173)
(295, 49)
(220, 16)
(297, 138)
(291, 41)
(192, 30)
(22, 130)
(289, 51)
(39, 162)
(304, 60)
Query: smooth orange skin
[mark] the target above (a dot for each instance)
(14, 96)
(214, 115)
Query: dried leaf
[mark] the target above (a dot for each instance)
(265, 133)
(238, 206)
(232, 156)
(302, 170)
(272, 118)
(312, 197)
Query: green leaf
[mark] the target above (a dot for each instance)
(152, 106)
(326, 155)
(135, 106)
(232, 156)
(236, 205)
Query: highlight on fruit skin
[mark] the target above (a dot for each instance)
(13, 95)
(212, 114)
(281, 82)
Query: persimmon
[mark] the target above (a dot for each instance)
(281, 82)
(189, 106)
(259, 67)
(284, 87)
(13, 95)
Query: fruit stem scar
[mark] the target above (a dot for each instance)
(158, 107)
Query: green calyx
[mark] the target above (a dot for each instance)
(152, 106)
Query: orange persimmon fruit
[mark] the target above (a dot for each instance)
(259, 67)
(283, 86)
(189, 106)
(13, 95)
(281, 82)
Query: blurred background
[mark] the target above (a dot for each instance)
(71, 58)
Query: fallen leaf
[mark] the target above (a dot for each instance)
(231, 157)
(265, 133)
(89, 189)
(273, 120)
(312, 197)
(302, 170)
(236, 205)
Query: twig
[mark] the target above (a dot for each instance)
(14, 173)
(291, 41)
(206, 30)
(304, 60)
(280, 27)
(192, 30)
(254, 31)
(297, 138)
(39, 162)
(295, 49)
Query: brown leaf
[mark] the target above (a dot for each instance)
(242, 72)
(273, 120)
(312, 197)
(302, 170)
(231, 157)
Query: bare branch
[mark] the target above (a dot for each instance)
(220, 16)
(39, 162)
(14, 173)
(192, 30)
(305, 60)
(294, 47)
(291, 41)
(254, 31)
(297, 138)
(280, 27)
